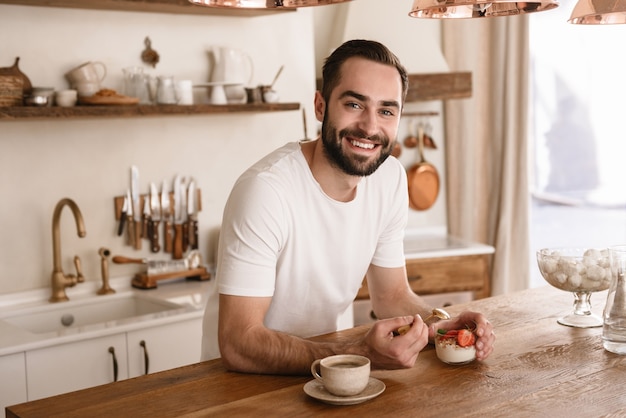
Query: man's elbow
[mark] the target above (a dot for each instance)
(232, 360)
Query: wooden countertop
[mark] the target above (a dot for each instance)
(538, 368)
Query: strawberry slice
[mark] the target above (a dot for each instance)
(448, 333)
(465, 338)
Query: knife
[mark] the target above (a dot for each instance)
(192, 215)
(166, 214)
(183, 214)
(123, 215)
(130, 219)
(145, 219)
(178, 227)
(155, 218)
(134, 191)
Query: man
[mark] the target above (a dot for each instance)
(304, 225)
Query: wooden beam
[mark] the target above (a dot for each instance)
(438, 86)
(159, 6)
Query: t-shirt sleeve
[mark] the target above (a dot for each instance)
(250, 239)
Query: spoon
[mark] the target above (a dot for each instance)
(436, 313)
(280, 70)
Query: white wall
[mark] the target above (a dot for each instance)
(88, 160)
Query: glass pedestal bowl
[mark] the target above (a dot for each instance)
(580, 271)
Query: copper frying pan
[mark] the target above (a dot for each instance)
(423, 180)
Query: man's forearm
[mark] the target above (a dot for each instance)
(266, 351)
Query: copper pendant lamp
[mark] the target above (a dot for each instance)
(264, 4)
(449, 9)
(599, 12)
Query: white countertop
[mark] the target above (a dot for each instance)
(190, 294)
(434, 243)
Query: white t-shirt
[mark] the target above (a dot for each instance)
(283, 237)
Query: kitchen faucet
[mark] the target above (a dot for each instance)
(59, 280)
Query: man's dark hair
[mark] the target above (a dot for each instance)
(371, 50)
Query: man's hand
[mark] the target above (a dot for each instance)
(475, 321)
(388, 350)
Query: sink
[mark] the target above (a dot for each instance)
(104, 311)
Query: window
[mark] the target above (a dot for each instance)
(577, 133)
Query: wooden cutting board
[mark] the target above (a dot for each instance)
(118, 99)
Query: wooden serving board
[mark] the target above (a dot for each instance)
(108, 100)
(146, 281)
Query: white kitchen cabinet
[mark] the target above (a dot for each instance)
(13, 380)
(78, 365)
(68, 367)
(165, 347)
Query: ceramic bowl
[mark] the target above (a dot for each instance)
(36, 100)
(40, 96)
(66, 98)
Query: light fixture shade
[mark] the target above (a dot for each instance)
(449, 9)
(599, 12)
(264, 4)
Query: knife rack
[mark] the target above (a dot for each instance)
(119, 203)
(146, 281)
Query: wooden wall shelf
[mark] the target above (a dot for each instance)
(54, 112)
(439, 86)
(158, 6)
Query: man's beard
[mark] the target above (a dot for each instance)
(356, 165)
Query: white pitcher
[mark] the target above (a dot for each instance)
(232, 66)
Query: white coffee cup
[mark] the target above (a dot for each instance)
(66, 98)
(342, 374)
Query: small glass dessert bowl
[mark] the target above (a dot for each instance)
(455, 346)
(580, 271)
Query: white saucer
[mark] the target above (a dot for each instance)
(316, 389)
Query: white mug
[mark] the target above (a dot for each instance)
(343, 374)
(89, 72)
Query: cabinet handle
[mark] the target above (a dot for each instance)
(415, 278)
(112, 351)
(146, 359)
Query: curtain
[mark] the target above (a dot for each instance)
(486, 143)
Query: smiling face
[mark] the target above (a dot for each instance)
(361, 117)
